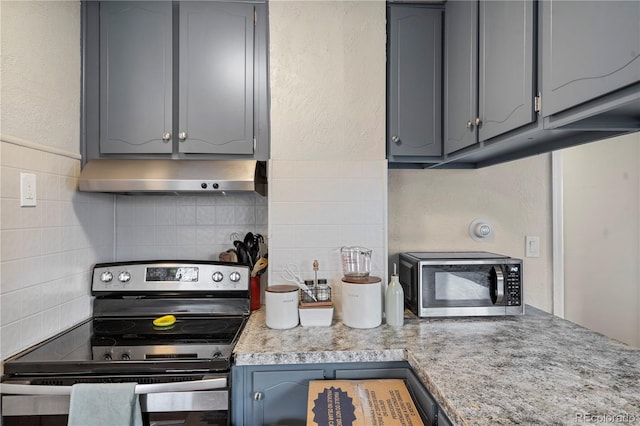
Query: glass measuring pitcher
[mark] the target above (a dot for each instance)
(356, 261)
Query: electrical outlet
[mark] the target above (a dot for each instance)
(532, 246)
(27, 190)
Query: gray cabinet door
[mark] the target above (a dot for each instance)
(506, 82)
(135, 84)
(216, 78)
(280, 397)
(414, 125)
(461, 84)
(590, 48)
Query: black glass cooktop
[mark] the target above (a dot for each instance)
(72, 351)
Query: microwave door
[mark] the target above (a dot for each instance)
(453, 287)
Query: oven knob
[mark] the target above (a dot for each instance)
(217, 354)
(125, 357)
(107, 357)
(235, 277)
(217, 276)
(106, 277)
(124, 277)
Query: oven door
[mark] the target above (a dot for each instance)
(200, 402)
(465, 289)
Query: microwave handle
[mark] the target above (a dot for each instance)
(497, 284)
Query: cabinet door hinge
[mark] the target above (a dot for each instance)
(537, 103)
(255, 17)
(254, 143)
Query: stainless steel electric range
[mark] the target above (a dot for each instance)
(182, 368)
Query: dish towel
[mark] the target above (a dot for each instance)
(104, 404)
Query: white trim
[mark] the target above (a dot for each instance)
(557, 219)
(37, 146)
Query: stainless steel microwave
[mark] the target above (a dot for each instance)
(446, 284)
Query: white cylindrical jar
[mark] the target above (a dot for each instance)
(362, 302)
(281, 304)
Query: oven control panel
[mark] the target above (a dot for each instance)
(165, 276)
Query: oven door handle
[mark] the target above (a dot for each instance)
(188, 386)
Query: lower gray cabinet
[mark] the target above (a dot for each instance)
(270, 395)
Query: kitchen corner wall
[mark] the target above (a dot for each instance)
(434, 208)
(327, 181)
(47, 250)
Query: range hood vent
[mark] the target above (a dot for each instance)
(173, 176)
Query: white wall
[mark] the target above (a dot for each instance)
(430, 210)
(601, 186)
(328, 170)
(46, 251)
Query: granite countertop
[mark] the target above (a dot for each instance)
(533, 369)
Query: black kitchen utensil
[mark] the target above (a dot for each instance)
(244, 257)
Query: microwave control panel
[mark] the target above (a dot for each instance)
(513, 284)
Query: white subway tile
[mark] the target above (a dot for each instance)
(10, 342)
(31, 217)
(186, 215)
(51, 321)
(10, 214)
(245, 215)
(220, 215)
(31, 300)
(10, 182)
(69, 238)
(30, 330)
(11, 304)
(145, 213)
(185, 235)
(48, 186)
(144, 235)
(30, 242)
(51, 209)
(187, 252)
(166, 214)
(166, 235)
(205, 235)
(10, 244)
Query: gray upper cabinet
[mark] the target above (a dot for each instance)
(135, 92)
(489, 68)
(461, 74)
(591, 48)
(216, 78)
(181, 79)
(414, 76)
(506, 63)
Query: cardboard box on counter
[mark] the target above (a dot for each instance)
(378, 402)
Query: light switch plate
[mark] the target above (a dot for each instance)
(532, 246)
(27, 190)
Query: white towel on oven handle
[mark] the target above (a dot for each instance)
(104, 404)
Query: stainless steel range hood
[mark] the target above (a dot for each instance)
(173, 176)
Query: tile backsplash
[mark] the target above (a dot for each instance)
(196, 227)
(316, 207)
(47, 250)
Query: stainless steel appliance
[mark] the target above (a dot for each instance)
(442, 284)
(182, 369)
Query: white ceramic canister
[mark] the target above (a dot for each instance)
(362, 302)
(281, 304)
